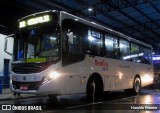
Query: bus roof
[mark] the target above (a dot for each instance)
(101, 27)
(93, 24)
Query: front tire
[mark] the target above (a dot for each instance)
(53, 98)
(94, 88)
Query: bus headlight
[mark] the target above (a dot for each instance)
(53, 75)
(50, 76)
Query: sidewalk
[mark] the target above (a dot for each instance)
(7, 94)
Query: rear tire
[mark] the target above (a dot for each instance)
(94, 88)
(136, 87)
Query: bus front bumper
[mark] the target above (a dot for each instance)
(48, 88)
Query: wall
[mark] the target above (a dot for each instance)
(4, 55)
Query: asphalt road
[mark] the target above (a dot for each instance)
(116, 102)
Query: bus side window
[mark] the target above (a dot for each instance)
(145, 55)
(111, 46)
(124, 46)
(73, 42)
(95, 42)
(65, 44)
(134, 52)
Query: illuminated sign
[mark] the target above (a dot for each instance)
(156, 57)
(33, 21)
(36, 60)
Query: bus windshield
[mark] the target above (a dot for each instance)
(38, 44)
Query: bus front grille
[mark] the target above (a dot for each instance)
(27, 68)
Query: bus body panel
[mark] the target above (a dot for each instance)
(116, 74)
(119, 74)
(45, 86)
(74, 79)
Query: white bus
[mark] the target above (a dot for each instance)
(56, 53)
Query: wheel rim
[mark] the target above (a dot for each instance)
(137, 85)
(93, 91)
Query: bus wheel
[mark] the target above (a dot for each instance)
(53, 98)
(94, 88)
(137, 85)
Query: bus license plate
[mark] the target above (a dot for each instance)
(24, 87)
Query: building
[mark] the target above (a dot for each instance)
(5, 59)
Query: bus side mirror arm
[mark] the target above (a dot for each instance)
(6, 44)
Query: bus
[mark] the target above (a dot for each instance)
(57, 53)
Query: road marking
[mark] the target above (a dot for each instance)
(131, 97)
(84, 105)
(104, 101)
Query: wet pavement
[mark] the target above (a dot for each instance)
(117, 102)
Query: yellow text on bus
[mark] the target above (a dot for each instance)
(33, 21)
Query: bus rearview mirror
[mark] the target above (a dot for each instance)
(8, 45)
(5, 46)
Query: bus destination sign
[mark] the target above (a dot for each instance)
(35, 20)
